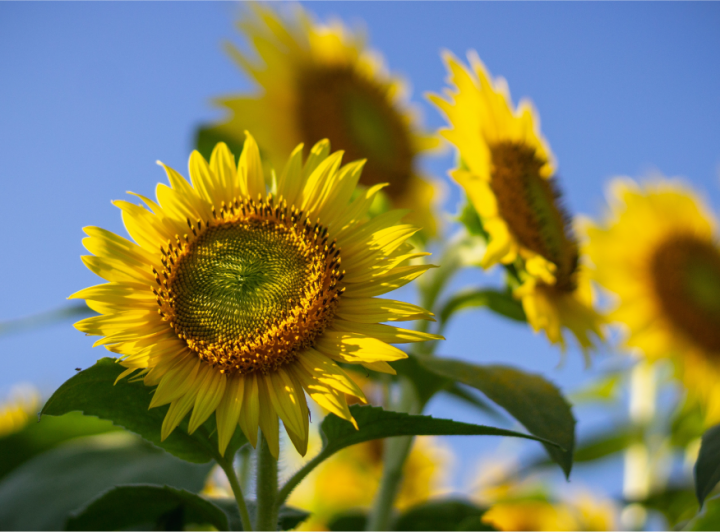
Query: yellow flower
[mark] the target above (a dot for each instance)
(238, 301)
(22, 405)
(321, 81)
(657, 250)
(530, 515)
(586, 513)
(507, 173)
(350, 479)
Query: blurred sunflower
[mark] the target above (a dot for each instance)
(321, 81)
(237, 301)
(17, 411)
(657, 250)
(350, 479)
(507, 170)
(526, 504)
(585, 513)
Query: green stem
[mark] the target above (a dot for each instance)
(638, 477)
(292, 483)
(227, 466)
(396, 453)
(245, 463)
(267, 488)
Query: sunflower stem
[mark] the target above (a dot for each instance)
(227, 466)
(267, 487)
(638, 477)
(396, 453)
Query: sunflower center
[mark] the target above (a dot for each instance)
(530, 205)
(686, 276)
(252, 288)
(356, 115)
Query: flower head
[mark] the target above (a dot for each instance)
(657, 251)
(237, 300)
(507, 172)
(320, 81)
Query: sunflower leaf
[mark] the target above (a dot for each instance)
(153, 507)
(41, 493)
(94, 392)
(35, 438)
(374, 423)
(707, 467)
(499, 301)
(288, 517)
(529, 398)
(206, 137)
(348, 520)
(448, 514)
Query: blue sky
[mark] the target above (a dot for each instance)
(93, 93)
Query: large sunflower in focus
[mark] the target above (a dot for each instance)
(507, 172)
(237, 301)
(319, 82)
(657, 250)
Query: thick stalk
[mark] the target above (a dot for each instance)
(396, 453)
(227, 466)
(638, 474)
(267, 488)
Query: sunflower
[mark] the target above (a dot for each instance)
(507, 173)
(238, 301)
(320, 81)
(657, 251)
(17, 411)
(349, 480)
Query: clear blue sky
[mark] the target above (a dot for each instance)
(91, 94)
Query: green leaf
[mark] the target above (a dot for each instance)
(40, 494)
(375, 423)
(206, 137)
(709, 519)
(350, 520)
(94, 392)
(597, 447)
(453, 514)
(602, 390)
(688, 423)
(460, 392)
(426, 382)
(529, 398)
(146, 506)
(500, 302)
(678, 505)
(288, 517)
(707, 467)
(35, 438)
(469, 217)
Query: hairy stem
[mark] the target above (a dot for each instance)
(267, 488)
(396, 453)
(227, 466)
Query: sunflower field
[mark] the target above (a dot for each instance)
(380, 295)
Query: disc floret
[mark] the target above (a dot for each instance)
(251, 288)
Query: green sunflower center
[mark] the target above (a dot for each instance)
(252, 288)
(237, 277)
(686, 276)
(356, 115)
(530, 205)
